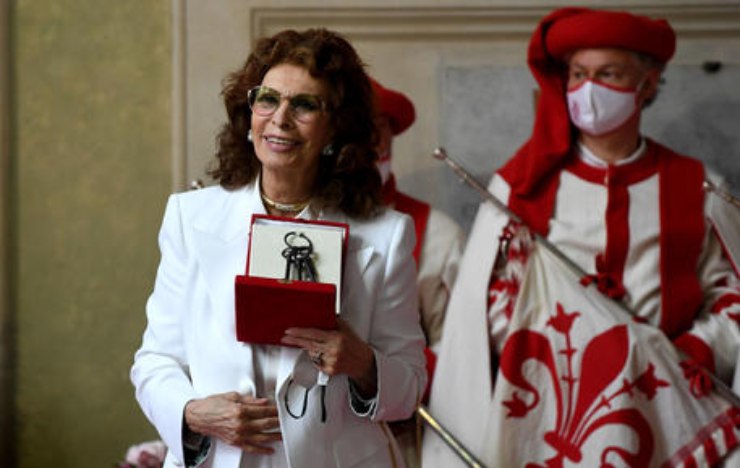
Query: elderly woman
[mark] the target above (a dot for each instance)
(298, 143)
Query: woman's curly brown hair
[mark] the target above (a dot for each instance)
(348, 178)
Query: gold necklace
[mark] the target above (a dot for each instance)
(284, 207)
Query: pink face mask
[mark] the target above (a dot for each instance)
(597, 109)
(384, 167)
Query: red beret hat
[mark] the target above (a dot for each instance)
(565, 30)
(591, 29)
(396, 106)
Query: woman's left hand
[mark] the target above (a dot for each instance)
(338, 351)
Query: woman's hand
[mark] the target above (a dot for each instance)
(338, 351)
(242, 421)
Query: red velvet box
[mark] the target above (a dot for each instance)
(266, 307)
(267, 304)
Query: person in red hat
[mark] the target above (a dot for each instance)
(439, 241)
(627, 210)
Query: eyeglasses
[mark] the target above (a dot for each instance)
(304, 108)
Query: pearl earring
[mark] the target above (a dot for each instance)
(249, 135)
(328, 150)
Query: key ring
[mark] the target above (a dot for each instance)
(298, 257)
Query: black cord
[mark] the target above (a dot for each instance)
(287, 404)
(323, 403)
(305, 402)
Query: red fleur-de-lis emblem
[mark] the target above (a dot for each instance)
(517, 407)
(562, 322)
(648, 383)
(583, 403)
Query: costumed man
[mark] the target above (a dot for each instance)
(627, 210)
(439, 243)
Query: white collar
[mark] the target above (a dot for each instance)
(592, 160)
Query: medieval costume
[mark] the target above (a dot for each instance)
(639, 229)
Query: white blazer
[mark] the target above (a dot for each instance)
(189, 349)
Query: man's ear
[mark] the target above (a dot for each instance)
(650, 85)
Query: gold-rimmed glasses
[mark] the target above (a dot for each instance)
(264, 101)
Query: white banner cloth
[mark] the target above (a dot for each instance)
(581, 384)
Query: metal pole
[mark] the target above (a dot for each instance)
(723, 194)
(722, 388)
(449, 439)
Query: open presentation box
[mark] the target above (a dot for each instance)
(267, 303)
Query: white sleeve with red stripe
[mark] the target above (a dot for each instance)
(717, 323)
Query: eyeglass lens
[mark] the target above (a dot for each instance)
(265, 101)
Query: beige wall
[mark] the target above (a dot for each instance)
(92, 168)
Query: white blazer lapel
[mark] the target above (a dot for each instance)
(221, 237)
(357, 259)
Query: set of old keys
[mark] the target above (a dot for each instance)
(298, 257)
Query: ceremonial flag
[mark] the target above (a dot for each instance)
(578, 383)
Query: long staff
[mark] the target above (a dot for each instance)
(449, 439)
(440, 154)
(723, 194)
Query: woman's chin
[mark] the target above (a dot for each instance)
(286, 166)
(286, 161)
